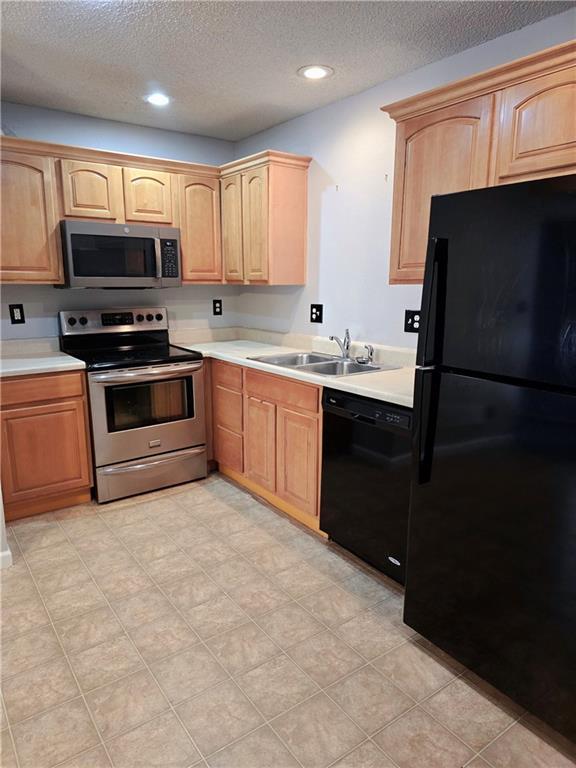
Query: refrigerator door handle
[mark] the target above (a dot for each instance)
(425, 406)
(433, 302)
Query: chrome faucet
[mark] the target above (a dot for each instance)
(344, 345)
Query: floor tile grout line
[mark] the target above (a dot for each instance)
(81, 694)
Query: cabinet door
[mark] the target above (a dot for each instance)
(260, 442)
(30, 251)
(537, 134)
(232, 252)
(443, 151)
(255, 224)
(200, 229)
(297, 460)
(45, 450)
(147, 195)
(92, 190)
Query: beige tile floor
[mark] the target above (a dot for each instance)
(196, 626)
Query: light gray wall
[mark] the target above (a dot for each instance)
(350, 197)
(67, 128)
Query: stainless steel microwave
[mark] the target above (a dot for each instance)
(101, 255)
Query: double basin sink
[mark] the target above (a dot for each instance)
(325, 365)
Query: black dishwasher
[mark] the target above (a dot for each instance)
(366, 467)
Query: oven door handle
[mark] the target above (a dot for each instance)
(123, 378)
(147, 465)
(158, 255)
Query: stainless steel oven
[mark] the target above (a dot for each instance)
(102, 255)
(146, 422)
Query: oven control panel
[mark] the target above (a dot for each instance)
(113, 320)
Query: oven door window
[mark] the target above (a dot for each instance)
(107, 256)
(131, 406)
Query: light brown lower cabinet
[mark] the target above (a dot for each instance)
(267, 437)
(45, 445)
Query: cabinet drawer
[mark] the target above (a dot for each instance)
(227, 375)
(229, 449)
(281, 390)
(228, 408)
(40, 388)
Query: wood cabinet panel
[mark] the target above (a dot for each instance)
(227, 375)
(91, 190)
(41, 388)
(282, 390)
(29, 238)
(260, 442)
(232, 249)
(297, 459)
(255, 224)
(229, 449)
(537, 130)
(147, 195)
(199, 200)
(227, 406)
(45, 450)
(437, 153)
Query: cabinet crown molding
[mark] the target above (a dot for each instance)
(267, 157)
(535, 65)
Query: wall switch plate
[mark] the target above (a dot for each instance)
(16, 313)
(316, 313)
(412, 320)
(216, 306)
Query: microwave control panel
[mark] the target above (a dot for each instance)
(169, 251)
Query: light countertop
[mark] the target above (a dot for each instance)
(395, 386)
(47, 361)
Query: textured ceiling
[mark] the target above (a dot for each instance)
(230, 67)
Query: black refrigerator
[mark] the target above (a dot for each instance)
(491, 564)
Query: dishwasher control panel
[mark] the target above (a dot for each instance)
(365, 409)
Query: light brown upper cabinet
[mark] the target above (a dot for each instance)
(91, 190)
(264, 219)
(447, 150)
(148, 195)
(537, 130)
(30, 242)
(512, 123)
(232, 246)
(200, 229)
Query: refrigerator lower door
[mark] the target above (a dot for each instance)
(491, 565)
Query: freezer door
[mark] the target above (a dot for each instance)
(491, 566)
(500, 284)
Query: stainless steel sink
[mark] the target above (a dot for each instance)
(325, 365)
(342, 368)
(295, 359)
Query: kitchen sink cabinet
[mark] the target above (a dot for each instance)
(264, 219)
(91, 190)
(512, 123)
(267, 437)
(537, 128)
(46, 458)
(30, 239)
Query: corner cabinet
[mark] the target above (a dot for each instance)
(264, 219)
(512, 123)
(46, 459)
(30, 241)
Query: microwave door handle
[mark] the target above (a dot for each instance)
(158, 254)
(123, 378)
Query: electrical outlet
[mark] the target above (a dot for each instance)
(216, 306)
(412, 320)
(316, 313)
(16, 313)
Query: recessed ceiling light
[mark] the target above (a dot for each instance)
(157, 99)
(315, 71)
